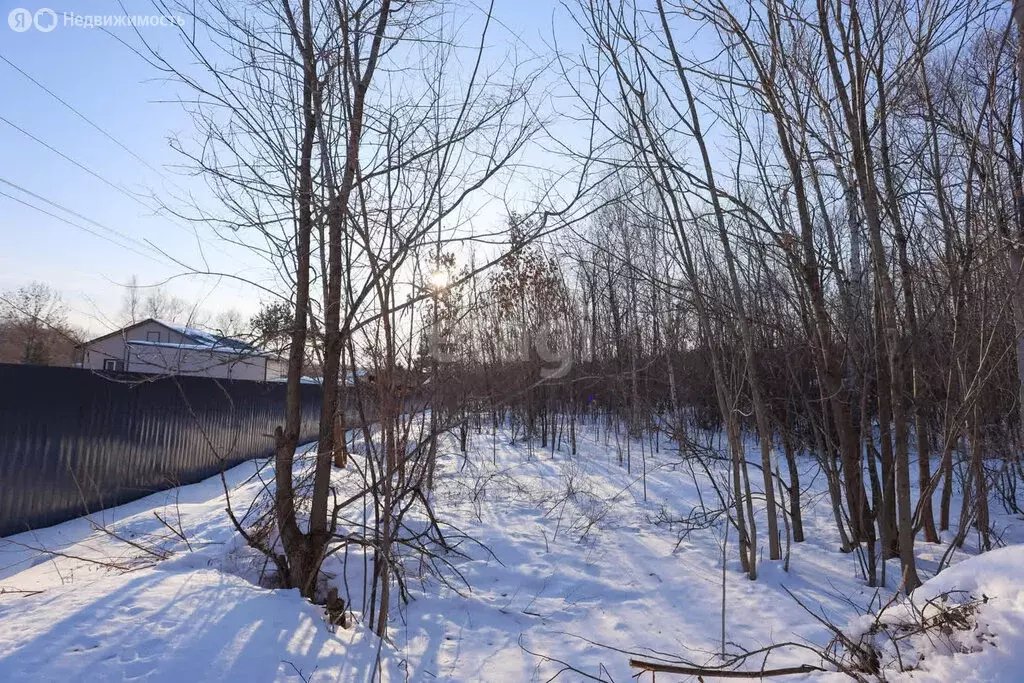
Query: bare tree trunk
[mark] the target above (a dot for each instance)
(753, 374)
(794, 488)
(299, 564)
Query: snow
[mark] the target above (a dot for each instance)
(994, 649)
(207, 341)
(199, 347)
(204, 338)
(570, 566)
(190, 617)
(176, 625)
(348, 378)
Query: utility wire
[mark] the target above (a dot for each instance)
(80, 227)
(85, 168)
(76, 214)
(191, 232)
(86, 119)
(111, 184)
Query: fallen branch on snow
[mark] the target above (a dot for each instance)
(655, 667)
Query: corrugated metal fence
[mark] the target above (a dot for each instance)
(73, 441)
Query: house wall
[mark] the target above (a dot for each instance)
(168, 360)
(114, 347)
(277, 369)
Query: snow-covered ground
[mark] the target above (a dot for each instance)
(572, 567)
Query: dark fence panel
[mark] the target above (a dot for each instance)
(74, 441)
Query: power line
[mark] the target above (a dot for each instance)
(191, 232)
(96, 175)
(80, 227)
(80, 165)
(85, 118)
(76, 214)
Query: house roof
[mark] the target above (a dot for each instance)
(198, 339)
(199, 347)
(206, 339)
(347, 378)
(302, 380)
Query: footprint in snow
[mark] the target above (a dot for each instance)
(84, 646)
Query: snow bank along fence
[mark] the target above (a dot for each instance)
(73, 441)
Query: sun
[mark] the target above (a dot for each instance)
(438, 279)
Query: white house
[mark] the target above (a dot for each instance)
(157, 347)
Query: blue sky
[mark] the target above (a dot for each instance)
(115, 89)
(119, 92)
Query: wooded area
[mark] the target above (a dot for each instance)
(797, 225)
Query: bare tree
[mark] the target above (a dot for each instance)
(34, 326)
